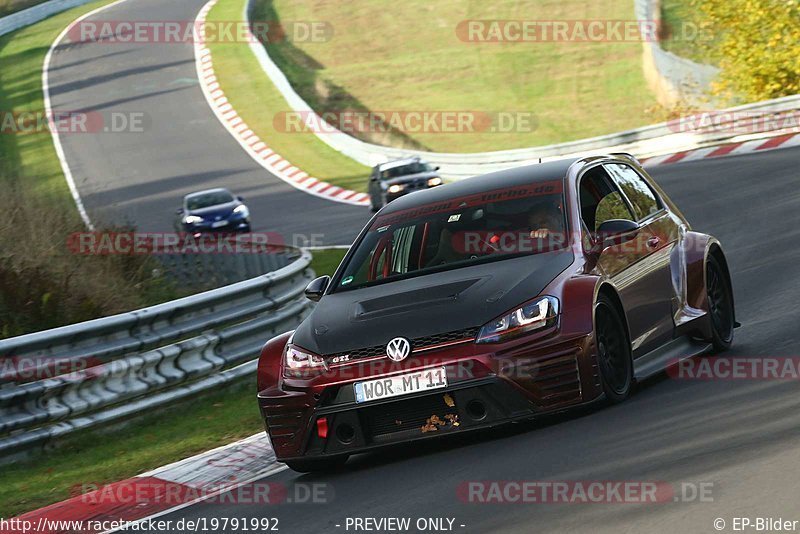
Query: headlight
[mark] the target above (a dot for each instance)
(396, 188)
(242, 210)
(434, 181)
(299, 363)
(538, 314)
(192, 219)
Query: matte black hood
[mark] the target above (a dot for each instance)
(425, 305)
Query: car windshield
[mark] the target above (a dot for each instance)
(458, 232)
(206, 200)
(405, 170)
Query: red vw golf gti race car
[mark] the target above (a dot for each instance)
(494, 299)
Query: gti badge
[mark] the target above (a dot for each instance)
(398, 349)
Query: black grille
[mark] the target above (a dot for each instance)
(436, 339)
(410, 414)
(416, 344)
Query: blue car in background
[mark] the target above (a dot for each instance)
(213, 210)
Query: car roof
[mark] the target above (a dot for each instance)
(398, 163)
(526, 175)
(208, 192)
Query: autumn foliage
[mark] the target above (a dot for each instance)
(757, 45)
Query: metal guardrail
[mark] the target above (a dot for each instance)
(58, 381)
(644, 142)
(34, 14)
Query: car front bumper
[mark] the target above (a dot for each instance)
(469, 405)
(481, 392)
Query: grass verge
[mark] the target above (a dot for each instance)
(412, 56)
(326, 261)
(100, 457)
(258, 102)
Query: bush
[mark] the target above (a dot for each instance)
(758, 46)
(44, 285)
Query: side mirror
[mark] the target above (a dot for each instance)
(317, 287)
(615, 232)
(239, 198)
(179, 211)
(436, 168)
(373, 178)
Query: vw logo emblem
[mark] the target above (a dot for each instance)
(398, 349)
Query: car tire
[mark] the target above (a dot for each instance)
(720, 305)
(613, 351)
(314, 465)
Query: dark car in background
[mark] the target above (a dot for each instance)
(394, 179)
(213, 210)
(493, 299)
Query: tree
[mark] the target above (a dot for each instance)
(758, 47)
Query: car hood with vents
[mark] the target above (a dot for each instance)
(427, 305)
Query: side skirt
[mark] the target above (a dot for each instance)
(670, 353)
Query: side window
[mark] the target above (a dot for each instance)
(600, 200)
(644, 201)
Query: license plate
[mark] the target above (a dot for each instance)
(218, 224)
(394, 386)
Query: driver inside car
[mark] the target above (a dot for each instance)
(545, 222)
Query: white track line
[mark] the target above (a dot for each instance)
(62, 158)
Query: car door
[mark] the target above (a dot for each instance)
(646, 284)
(629, 264)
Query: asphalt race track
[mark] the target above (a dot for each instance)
(741, 435)
(141, 177)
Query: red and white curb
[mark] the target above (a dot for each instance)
(250, 141)
(220, 474)
(763, 143)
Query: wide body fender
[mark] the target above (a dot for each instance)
(689, 280)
